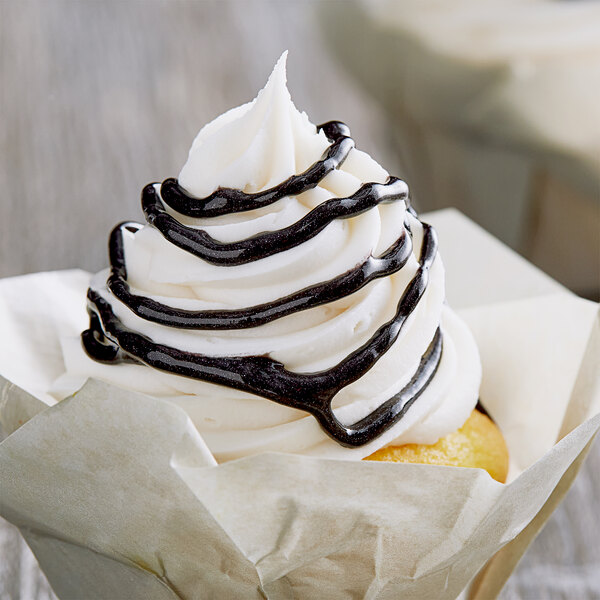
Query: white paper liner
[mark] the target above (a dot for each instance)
(118, 496)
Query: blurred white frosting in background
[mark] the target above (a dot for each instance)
(496, 108)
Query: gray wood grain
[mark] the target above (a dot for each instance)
(99, 98)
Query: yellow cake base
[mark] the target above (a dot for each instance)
(478, 444)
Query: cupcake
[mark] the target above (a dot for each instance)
(284, 293)
(200, 431)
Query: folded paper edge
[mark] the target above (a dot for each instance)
(17, 407)
(493, 576)
(585, 396)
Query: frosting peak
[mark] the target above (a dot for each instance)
(254, 146)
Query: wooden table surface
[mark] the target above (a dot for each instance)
(99, 98)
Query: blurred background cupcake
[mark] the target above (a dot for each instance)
(494, 108)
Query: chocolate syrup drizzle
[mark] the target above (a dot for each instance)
(109, 340)
(199, 243)
(225, 201)
(392, 260)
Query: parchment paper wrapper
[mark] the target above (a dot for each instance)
(119, 498)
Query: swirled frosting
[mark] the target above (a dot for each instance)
(284, 293)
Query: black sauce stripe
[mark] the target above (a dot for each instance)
(482, 410)
(228, 200)
(199, 243)
(151, 310)
(96, 344)
(391, 411)
(263, 376)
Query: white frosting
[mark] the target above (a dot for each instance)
(254, 147)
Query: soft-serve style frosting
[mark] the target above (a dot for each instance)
(284, 293)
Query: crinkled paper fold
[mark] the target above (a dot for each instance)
(119, 498)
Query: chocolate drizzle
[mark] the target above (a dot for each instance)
(225, 201)
(200, 244)
(391, 261)
(109, 340)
